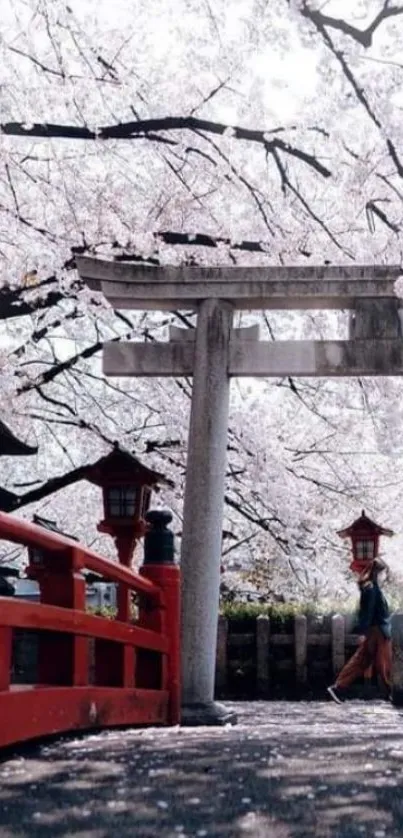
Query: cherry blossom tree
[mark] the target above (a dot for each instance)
(199, 131)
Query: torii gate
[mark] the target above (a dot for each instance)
(214, 352)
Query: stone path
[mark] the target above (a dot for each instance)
(287, 770)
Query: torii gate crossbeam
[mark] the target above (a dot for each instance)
(214, 352)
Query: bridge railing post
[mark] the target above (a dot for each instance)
(62, 657)
(6, 641)
(159, 566)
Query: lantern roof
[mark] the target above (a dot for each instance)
(363, 525)
(11, 446)
(120, 464)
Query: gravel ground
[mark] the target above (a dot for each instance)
(286, 770)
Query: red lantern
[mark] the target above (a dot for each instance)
(127, 486)
(364, 535)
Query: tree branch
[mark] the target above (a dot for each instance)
(14, 304)
(362, 36)
(51, 373)
(143, 127)
(358, 90)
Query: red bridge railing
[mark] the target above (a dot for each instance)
(91, 671)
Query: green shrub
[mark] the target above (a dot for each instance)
(282, 611)
(110, 611)
(106, 611)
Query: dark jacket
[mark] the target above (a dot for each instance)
(374, 610)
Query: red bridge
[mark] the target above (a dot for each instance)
(92, 671)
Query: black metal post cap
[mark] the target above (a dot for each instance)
(159, 518)
(159, 540)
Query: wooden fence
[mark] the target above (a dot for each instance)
(264, 658)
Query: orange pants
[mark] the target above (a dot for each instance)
(375, 651)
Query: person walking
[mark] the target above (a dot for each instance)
(374, 625)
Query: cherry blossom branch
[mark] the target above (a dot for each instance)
(45, 68)
(362, 36)
(52, 372)
(144, 127)
(358, 90)
(14, 303)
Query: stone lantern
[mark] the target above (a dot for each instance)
(364, 535)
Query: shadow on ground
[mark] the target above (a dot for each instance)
(288, 770)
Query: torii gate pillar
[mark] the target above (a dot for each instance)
(203, 512)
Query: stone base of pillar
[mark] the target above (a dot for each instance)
(212, 713)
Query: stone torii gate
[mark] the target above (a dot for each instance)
(212, 354)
